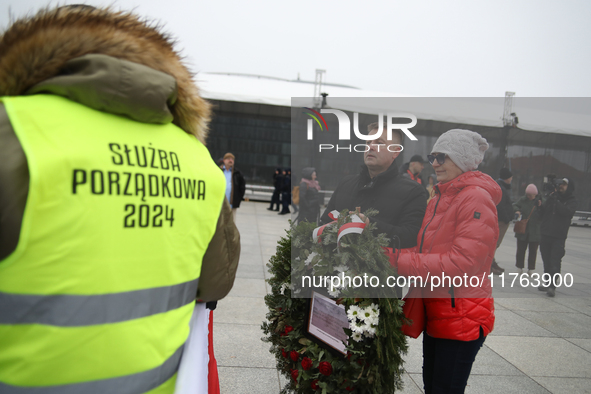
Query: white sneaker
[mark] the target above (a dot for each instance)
(519, 271)
(530, 272)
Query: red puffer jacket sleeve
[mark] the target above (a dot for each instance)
(460, 239)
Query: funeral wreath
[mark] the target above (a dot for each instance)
(372, 358)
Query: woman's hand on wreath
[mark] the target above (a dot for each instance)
(361, 216)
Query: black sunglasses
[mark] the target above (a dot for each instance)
(440, 157)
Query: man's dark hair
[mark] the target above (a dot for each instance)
(375, 125)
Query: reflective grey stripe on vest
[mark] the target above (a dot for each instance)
(85, 310)
(130, 384)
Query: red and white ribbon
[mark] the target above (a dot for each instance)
(334, 215)
(356, 226)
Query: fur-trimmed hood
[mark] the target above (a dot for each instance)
(38, 48)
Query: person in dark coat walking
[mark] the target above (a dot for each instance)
(504, 212)
(285, 193)
(309, 196)
(557, 213)
(527, 208)
(275, 200)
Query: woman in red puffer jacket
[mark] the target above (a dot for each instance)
(456, 246)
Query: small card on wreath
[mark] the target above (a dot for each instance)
(326, 320)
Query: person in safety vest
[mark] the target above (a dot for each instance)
(113, 219)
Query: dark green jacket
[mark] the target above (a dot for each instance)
(525, 206)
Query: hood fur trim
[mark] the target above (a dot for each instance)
(36, 48)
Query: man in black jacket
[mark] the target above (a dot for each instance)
(235, 184)
(277, 183)
(557, 212)
(504, 212)
(401, 202)
(285, 192)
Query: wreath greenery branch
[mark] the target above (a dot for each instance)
(373, 363)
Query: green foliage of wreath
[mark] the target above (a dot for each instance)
(373, 364)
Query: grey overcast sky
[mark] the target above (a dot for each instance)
(535, 48)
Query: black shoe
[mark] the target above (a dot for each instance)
(542, 288)
(270, 209)
(495, 269)
(551, 292)
(283, 213)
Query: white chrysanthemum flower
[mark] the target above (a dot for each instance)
(370, 314)
(357, 337)
(353, 312)
(310, 258)
(372, 321)
(335, 293)
(365, 315)
(341, 268)
(357, 327)
(375, 310)
(370, 331)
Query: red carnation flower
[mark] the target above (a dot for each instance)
(349, 388)
(306, 363)
(314, 385)
(325, 368)
(294, 374)
(283, 353)
(294, 355)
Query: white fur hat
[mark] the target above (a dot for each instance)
(464, 147)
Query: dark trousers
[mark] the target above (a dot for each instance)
(275, 199)
(447, 363)
(520, 255)
(502, 230)
(285, 201)
(552, 250)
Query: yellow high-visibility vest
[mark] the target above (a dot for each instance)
(98, 294)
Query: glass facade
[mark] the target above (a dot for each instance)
(258, 137)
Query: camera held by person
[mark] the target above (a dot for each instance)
(551, 184)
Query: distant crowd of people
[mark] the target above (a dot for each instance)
(281, 197)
